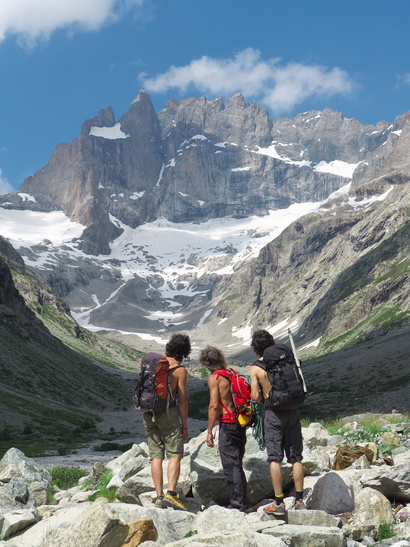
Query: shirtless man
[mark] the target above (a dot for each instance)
(232, 437)
(283, 433)
(167, 432)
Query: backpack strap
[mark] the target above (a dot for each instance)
(228, 416)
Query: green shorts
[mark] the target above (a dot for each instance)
(165, 434)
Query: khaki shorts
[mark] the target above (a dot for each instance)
(164, 435)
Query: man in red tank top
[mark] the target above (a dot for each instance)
(232, 436)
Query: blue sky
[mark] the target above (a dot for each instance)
(62, 61)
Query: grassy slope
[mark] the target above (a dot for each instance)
(53, 383)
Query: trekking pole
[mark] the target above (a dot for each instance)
(292, 343)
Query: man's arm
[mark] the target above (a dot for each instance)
(256, 392)
(182, 376)
(213, 408)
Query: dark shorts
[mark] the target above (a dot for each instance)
(283, 435)
(164, 434)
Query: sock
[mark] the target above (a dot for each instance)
(171, 493)
(299, 495)
(279, 499)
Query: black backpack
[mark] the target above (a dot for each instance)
(287, 392)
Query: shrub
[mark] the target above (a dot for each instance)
(110, 446)
(103, 491)
(66, 477)
(386, 531)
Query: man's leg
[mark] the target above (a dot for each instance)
(298, 476)
(173, 471)
(157, 476)
(276, 477)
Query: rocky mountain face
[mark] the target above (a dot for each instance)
(336, 275)
(199, 159)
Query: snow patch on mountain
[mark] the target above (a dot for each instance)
(337, 167)
(113, 132)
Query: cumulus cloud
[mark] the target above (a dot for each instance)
(34, 20)
(5, 186)
(278, 86)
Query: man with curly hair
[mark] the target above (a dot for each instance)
(283, 432)
(167, 431)
(232, 437)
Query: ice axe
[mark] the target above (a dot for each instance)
(292, 343)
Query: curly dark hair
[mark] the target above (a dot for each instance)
(178, 347)
(261, 339)
(212, 358)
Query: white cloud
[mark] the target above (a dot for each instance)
(35, 20)
(405, 78)
(280, 87)
(5, 186)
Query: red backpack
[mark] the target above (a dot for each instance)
(241, 397)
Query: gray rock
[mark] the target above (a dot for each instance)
(141, 482)
(308, 535)
(393, 482)
(61, 517)
(171, 525)
(134, 452)
(334, 492)
(98, 526)
(16, 494)
(19, 520)
(28, 468)
(371, 507)
(313, 518)
(359, 531)
(315, 435)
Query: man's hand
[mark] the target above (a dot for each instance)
(184, 433)
(210, 439)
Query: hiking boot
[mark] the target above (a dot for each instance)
(299, 505)
(159, 502)
(274, 509)
(174, 502)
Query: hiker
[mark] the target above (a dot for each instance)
(283, 432)
(166, 431)
(232, 436)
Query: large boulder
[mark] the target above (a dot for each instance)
(335, 492)
(315, 435)
(392, 482)
(98, 526)
(27, 467)
(208, 480)
(295, 535)
(171, 525)
(141, 482)
(18, 520)
(371, 507)
(15, 494)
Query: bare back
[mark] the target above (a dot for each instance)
(260, 384)
(220, 391)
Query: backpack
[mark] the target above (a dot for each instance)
(153, 389)
(241, 396)
(287, 392)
